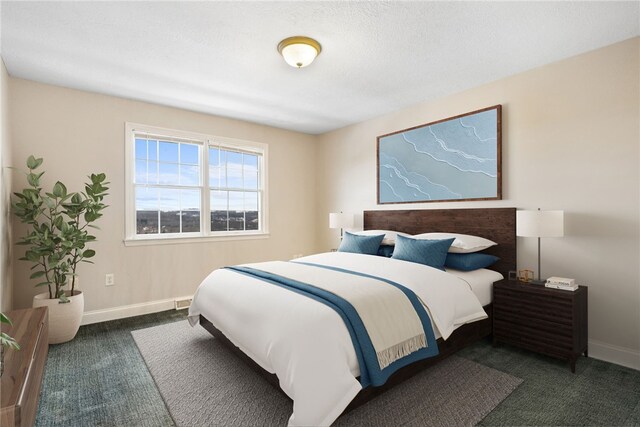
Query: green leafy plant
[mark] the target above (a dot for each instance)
(5, 339)
(59, 227)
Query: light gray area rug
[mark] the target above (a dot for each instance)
(204, 383)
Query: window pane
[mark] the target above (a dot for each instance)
(146, 222)
(190, 200)
(141, 148)
(250, 163)
(146, 211)
(219, 201)
(189, 175)
(252, 220)
(236, 210)
(169, 211)
(234, 177)
(189, 154)
(169, 199)
(218, 211)
(250, 180)
(146, 199)
(168, 152)
(152, 149)
(250, 201)
(214, 157)
(190, 204)
(168, 174)
(236, 220)
(217, 177)
(236, 201)
(141, 172)
(250, 171)
(234, 159)
(152, 172)
(217, 157)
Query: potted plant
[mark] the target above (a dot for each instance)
(57, 243)
(6, 341)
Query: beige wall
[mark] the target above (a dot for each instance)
(78, 133)
(571, 137)
(5, 191)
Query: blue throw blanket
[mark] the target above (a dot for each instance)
(370, 372)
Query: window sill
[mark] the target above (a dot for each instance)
(198, 239)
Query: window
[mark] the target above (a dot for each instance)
(182, 185)
(168, 186)
(235, 193)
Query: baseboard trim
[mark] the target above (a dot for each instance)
(122, 312)
(614, 354)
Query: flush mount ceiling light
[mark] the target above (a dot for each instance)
(299, 51)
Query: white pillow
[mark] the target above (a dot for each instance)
(389, 236)
(464, 243)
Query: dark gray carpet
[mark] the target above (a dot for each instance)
(203, 383)
(100, 379)
(598, 394)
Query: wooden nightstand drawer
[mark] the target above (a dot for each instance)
(530, 333)
(546, 344)
(547, 325)
(534, 307)
(548, 321)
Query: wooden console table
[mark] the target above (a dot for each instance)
(23, 369)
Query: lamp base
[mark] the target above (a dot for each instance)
(538, 282)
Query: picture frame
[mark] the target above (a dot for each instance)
(454, 159)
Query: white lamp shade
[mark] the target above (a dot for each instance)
(540, 223)
(299, 54)
(340, 220)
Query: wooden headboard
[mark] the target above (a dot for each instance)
(496, 224)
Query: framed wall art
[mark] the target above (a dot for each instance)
(454, 159)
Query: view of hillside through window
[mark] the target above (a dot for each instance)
(169, 187)
(233, 179)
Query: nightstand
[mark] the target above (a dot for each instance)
(544, 320)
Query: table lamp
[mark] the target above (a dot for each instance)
(539, 224)
(341, 221)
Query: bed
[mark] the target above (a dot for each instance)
(321, 395)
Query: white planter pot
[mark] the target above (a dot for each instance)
(64, 318)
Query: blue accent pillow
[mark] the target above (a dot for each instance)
(470, 262)
(385, 250)
(428, 252)
(357, 244)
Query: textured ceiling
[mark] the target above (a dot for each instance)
(221, 58)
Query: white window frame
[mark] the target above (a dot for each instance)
(205, 142)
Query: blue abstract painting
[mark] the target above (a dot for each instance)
(449, 160)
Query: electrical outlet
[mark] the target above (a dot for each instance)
(109, 279)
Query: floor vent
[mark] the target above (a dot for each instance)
(181, 304)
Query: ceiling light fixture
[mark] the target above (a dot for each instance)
(299, 51)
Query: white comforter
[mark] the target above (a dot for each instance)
(304, 342)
